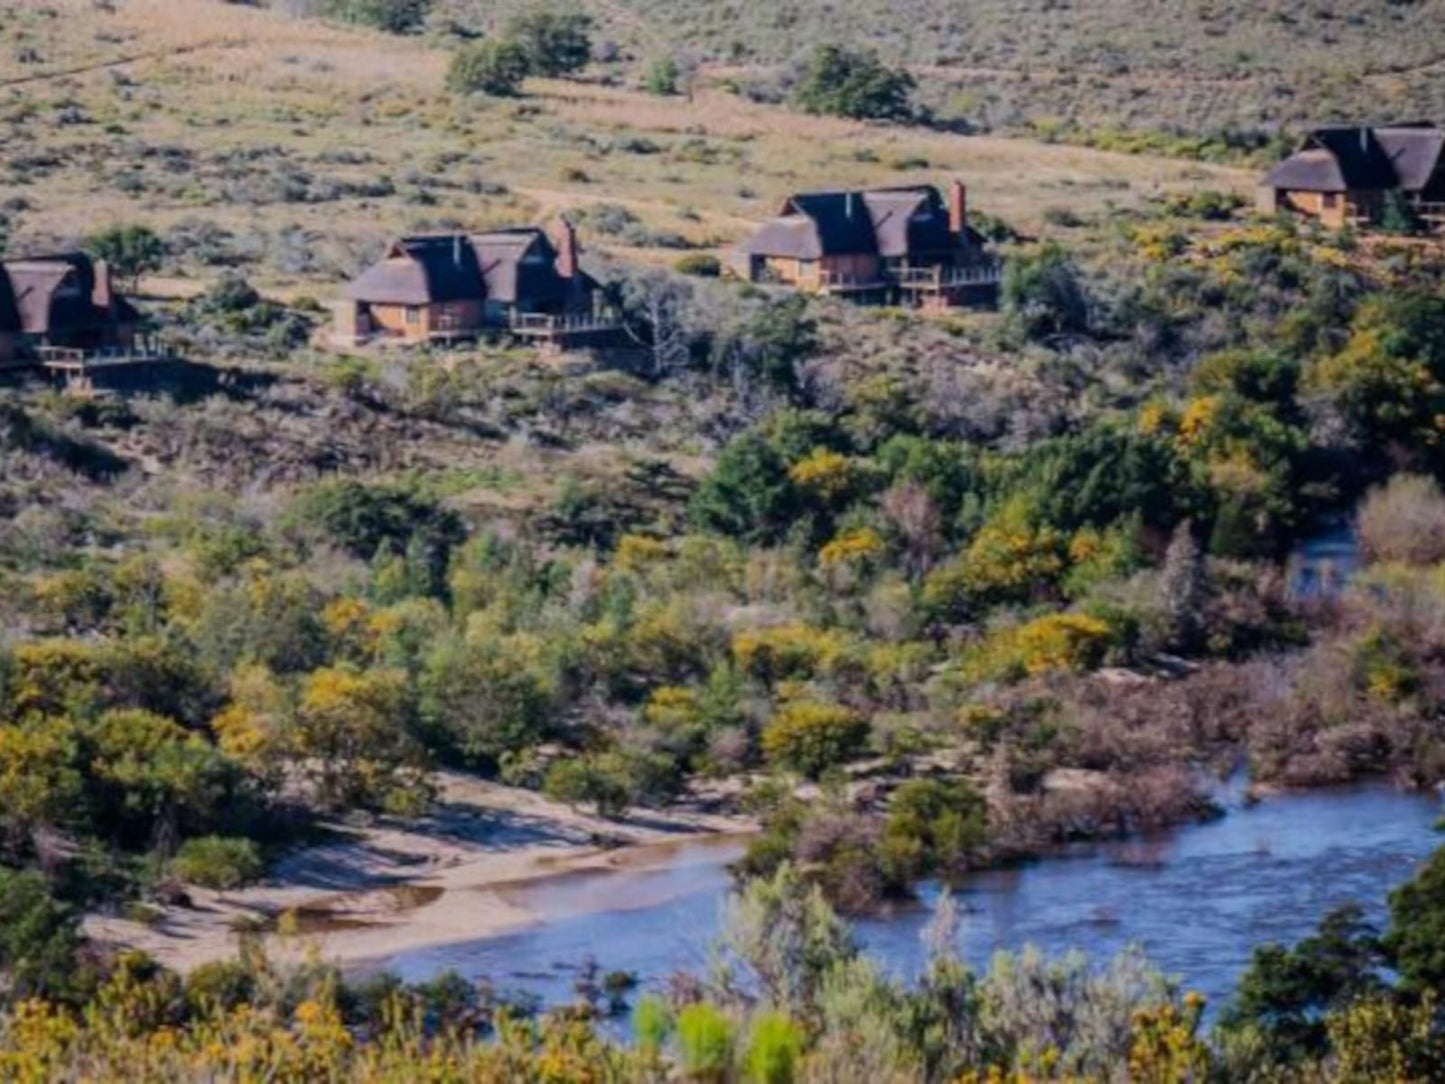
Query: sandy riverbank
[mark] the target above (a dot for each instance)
(395, 887)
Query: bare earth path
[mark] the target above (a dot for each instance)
(120, 62)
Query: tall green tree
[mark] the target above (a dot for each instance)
(748, 494)
(1284, 997)
(131, 251)
(495, 68)
(39, 935)
(1415, 940)
(556, 41)
(844, 83)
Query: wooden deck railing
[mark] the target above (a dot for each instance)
(1433, 213)
(72, 357)
(572, 323)
(847, 280)
(983, 274)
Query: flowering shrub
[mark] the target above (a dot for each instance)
(783, 651)
(810, 737)
(1065, 641)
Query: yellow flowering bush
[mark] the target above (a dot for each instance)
(828, 474)
(47, 676)
(810, 737)
(782, 651)
(1198, 419)
(636, 552)
(352, 726)
(852, 548)
(1065, 641)
(1155, 418)
(1009, 560)
(1160, 243)
(672, 707)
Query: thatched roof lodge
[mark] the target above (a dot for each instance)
(1344, 175)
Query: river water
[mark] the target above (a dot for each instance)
(1198, 899)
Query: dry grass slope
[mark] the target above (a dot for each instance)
(1147, 63)
(292, 147)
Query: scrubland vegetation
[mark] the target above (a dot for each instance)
(924, 594)
(790, 998)
(1222, 78)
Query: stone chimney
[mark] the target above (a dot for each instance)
(102, 294)
(567, 251)
(957, 208)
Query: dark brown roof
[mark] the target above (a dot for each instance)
(48, 294)
(421, 270)
(508, 266)
(9, 314)
(888, 222)
(795, 236)
(520, 265)
(1362, 159)
(1416, 153)
(1311, 170)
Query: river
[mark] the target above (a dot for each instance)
(1198, 899)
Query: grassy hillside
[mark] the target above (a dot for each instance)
(1142, 63)
(292, 148)
(923, 592)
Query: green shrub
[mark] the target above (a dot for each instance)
(218, 862)
(775, 1048)
(496, 68)
(1416, 937)
(843, 83)
(1043, 293)
(934, 827)
(652, 1022)
(219, 985)
(1210, 204)
(662, 76)
(38, 937)
(555, 42)
(702, 264)
(613, 782)
(748, 495)
(393, 16)
(364, 519)
(810, 737)
(705, 1043)
(131, 251)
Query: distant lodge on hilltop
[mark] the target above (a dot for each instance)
(447, 287)
(59, 307)
(883, 246)
(1345, 176)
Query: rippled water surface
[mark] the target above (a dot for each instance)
(1199, 900)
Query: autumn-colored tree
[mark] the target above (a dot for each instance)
(353, 727)
(40, 783)
(810, 737)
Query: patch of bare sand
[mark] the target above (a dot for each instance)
(395, 887)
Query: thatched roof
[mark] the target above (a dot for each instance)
(48, 294)
(908, 221)
(1417, 154)
(887, 222)
(1363, 159)
(9, 314)
(509, 266)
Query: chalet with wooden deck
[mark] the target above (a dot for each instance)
(63, 304)
(885, 245)
(444, 287)
(1342, 176)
